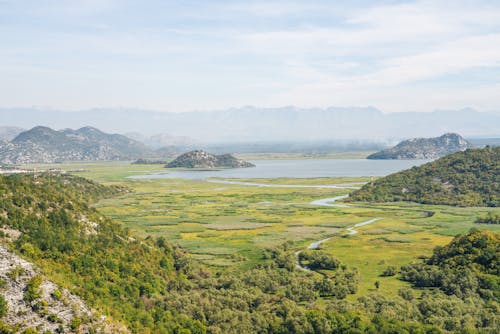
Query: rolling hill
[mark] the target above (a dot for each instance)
(469, 178)
(202, 159)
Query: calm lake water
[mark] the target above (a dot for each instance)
(298, 169)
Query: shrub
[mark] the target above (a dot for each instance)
(389, 271)
(32, 291)
(3, 306)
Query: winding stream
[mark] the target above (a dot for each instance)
(330, 201)
(351, 230)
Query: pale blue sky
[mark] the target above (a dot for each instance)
(186, 55)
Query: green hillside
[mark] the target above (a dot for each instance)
(152, 287)
(84, 251)
(470, 178)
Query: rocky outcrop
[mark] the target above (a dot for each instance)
(36, 303)
(424, 148)
(202, 159)
(44, 145)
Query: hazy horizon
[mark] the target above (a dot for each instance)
(253, 124)
(236, 108)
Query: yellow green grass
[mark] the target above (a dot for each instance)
(228, 226)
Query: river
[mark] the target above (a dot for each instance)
(351, 230)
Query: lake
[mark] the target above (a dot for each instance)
(300, 168)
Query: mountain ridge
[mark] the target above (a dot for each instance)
(268, 124)
(42, 144)
(424, 148)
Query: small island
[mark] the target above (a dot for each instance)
(424, 148)
(202, 159)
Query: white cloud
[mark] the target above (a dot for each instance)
(404, 44)
(315, 53)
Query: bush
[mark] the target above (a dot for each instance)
(32, 291)
(317, 260)
(3, 306)
(16, 272)
(30, 331)
(406, 294)
(389, 271)
(52, 317)
(57, 294)
(490, 218)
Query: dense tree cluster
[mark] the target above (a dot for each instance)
(468, 266)
(470, 178)
(490, 218)
(467, 274)
(153, 287)
(318, 259)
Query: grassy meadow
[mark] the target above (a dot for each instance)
(228, 225)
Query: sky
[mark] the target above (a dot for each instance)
(178, 56)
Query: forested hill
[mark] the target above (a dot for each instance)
(469, 178)
(467, 267)
(48, 221)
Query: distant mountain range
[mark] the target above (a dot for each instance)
(44, 145)
(202, 159)
(163, 140)
(252, 124)
(424, 148)
(7, 133)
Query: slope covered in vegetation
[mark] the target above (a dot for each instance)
(86, 252)
(466, 269)
(459, 287)
(470, 178)
(152, 287)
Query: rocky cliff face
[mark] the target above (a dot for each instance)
(424, 148)
(36, 303)
(44, 145)
(202, 159)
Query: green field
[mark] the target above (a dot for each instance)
(228, 226)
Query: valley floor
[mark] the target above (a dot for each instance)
(227, 225)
